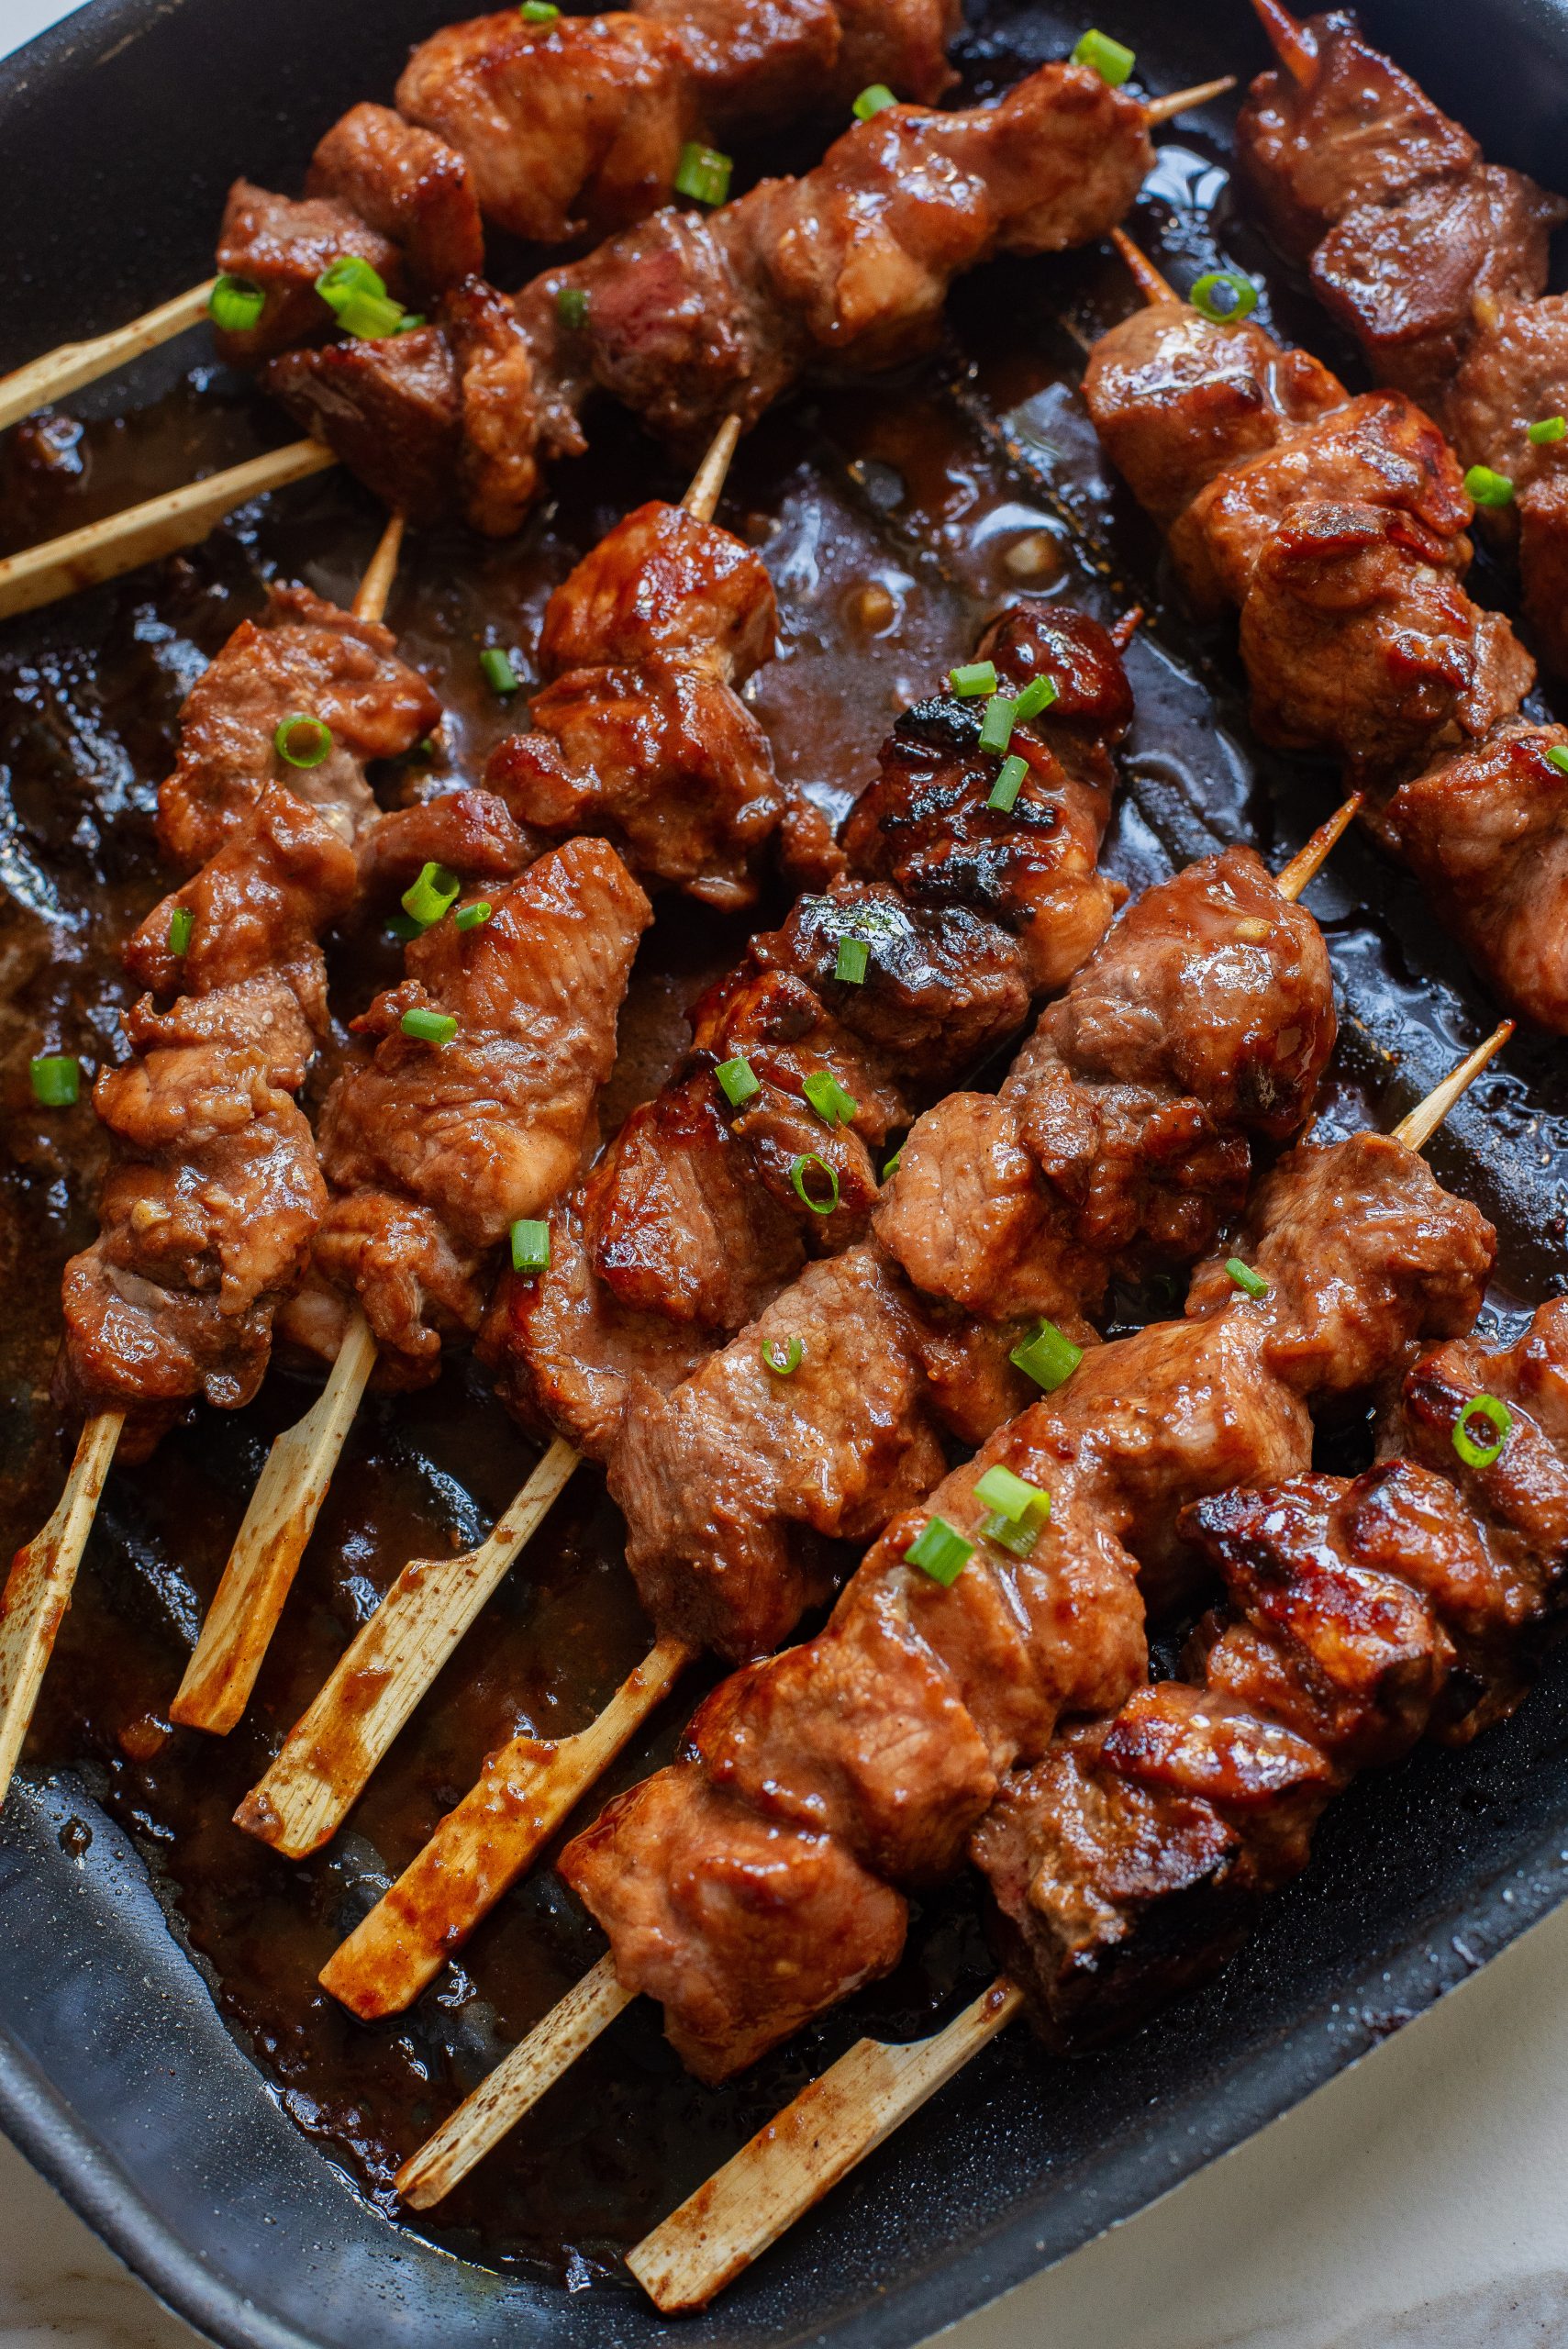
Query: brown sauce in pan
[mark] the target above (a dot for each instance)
(893, 516)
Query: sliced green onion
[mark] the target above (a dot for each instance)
(530, 1246)
(1488, 488)
(996, 726)
(976, 678)
(1547, 428)
(474, 917)
(781, 1360)
(941, 1551)
(402, 926)
(1020, 1538)
(537, 12)
(872, 101)
(498, 672)
(572, 307)
(1038, 695)
(1018, 1510)
(356, 294)
(1481, 1406)
(740, 1081)
(891, 1169)
(1004, 795)
(850, 965)
(1223, 296)
(1558, 757)
(1047, 1357)
(429, 1027)
(1245, 1277)
(57, 1079)
(426, 749)
(434, 894)
(303, 740)
(799, 1168)
(182, 921)
(703, 172)
(235, 304)
(828, 1098)
(1111, 60)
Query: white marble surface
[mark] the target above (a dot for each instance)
(1417, 2203)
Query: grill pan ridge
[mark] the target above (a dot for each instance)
(119, 2078)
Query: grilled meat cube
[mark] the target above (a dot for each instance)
(488, 1126)
(408, 187)
(574, 124)
(303, 656)
(389, 408)
(753, 65)
(902, 42)
(1514, 373)
(663, 582)
(283, 248)
(1357, 639)
(498, 420)
(470, 832)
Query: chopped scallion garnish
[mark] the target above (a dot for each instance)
(537, 12)
(851, 962)
(703, 172)
(356, 294)
(429, 1027)
(402, 926)
(497, 671)
(1548, 428)
(530, 1246)
(996, 726)
(1004, 794)
(781, 1360)
(476, 915)
(739, 1080)
(828, 1098)
(572, 307)
(1245, 1277)
(800, 1168)
(182, 921)
(1558, 757)
(57, 1079)
(891, 1169)
(303, 740)
(1038, 695)
(1488, 488)
(434, 894)
(1111, 60)
(872, 100)
(1223, 296)
(941, 1551)
(1047, 1357)
(1018, 1510)
(234, 305)
(1492, 1408)
(974, 678)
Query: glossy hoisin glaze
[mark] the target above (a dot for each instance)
(894, 520)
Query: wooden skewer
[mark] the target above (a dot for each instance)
(1158, 110)
(1145, 276)
(327, 1757)
(104, 550)
(75, 363)
(402, 1944)
(1286, 39)
(1416, 1130)
(38, 1587)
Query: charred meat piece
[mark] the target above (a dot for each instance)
(282, 248)
(462, 1136)
(410, 187)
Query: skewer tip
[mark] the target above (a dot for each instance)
(1144, 275)
(707, 483)
(1166, 109)
(1314, 854)
(1415, 1130)
(1290, 42)
(375, 588)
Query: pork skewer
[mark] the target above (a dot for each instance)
(864, 1413)
(293, 1483)
(1337, 527)
(273, 873)
(455, 415)
(1436, 261)
(858, 2103)
(703, 1205)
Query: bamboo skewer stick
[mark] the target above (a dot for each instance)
(414, 1925)
(104, 550)
(38, 1587)
(75, 363)
(860, 2101)
(71, 364)
(327, 1757)
(1286, 39)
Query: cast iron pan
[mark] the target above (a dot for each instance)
(120, 130)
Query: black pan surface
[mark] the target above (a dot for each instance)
(119, 2076)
